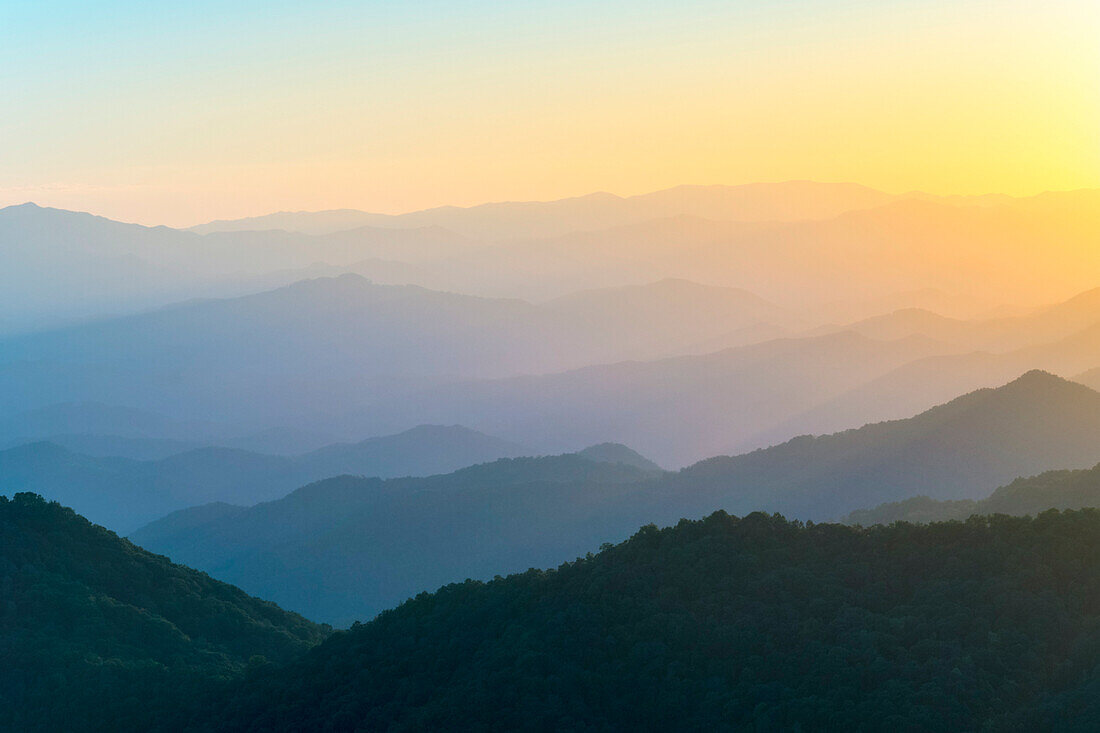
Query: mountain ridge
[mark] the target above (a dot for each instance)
(345, 548)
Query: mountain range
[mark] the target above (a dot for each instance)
(345, 548)
(816, 382)
(325, 345)
(786, 201)
(803, 245)
(332, 359)
(124, 493)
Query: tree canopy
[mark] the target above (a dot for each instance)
(756, 623)
(96, 633)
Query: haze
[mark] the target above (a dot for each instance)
(648, 366)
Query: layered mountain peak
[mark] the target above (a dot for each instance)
(1042, 386)
(618, 453)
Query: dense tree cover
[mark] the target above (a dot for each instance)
(98, 634)
(731, 624)
(1066, 489)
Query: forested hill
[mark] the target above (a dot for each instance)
(1067, 489)
(731, 624)
(98, 634)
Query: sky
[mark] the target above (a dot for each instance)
(179, 113)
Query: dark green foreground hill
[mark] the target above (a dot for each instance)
(96, 633)
(718, 624)
(731, 624)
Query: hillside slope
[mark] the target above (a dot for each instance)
(96, 633)
(731, 624)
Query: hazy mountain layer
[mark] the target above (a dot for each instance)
(344, 549)
(954, 451)
(124, 494)
(327, 345)
(787, 201)
(677, 410)
(1066, 489)
(680, 410)
(303, 356)
(803, 245)
(61, 266)
(977, 257)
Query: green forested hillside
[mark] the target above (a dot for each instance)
(1067, 489)
(98, 634)
(730, 624)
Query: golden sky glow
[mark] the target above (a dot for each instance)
(213, 113)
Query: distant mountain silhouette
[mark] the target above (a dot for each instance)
(324, 346)
(256, 358)
(305, 222)
(99, 634)
(675, 313)
(283, 441)
(1063, 339)
(955, 451)
(124, 494)
(59, 267)
(345, 548)
(144, 436)
(786, 201)
(1001, 334)
(140, 449)
(1065, 489)
(618, 453)
(421, 451)
(675, 410)
(756, 236)
(848, 265)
